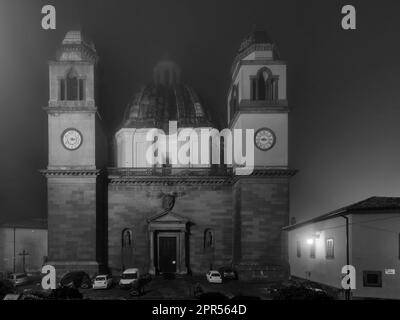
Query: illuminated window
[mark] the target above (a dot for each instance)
(298, 245)
(329, 246)
(312, 249)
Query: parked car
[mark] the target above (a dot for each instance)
(212, 296)
(18, 279)
(242, 297)
(76, 279)
(65, 293)
(228, 273)
(103, 281)
(137, 288)
(300, 292)
(214, 276)
(129, 277)
(6, 287)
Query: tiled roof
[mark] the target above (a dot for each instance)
(373, 204)
(25, 224)
(254, 37)
(376, 203)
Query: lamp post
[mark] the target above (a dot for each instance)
(14, 252)
(348, 291)
(23, 254)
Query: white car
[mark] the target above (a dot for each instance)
(18, 279)
(103, 281)
(129, 277)
(214, 276)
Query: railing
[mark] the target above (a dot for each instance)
(263, 103)
(71, 104)
(171, 171)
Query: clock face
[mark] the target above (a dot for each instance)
(71, 139)
(264, 139)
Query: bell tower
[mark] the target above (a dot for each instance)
(257, 100)
(72, 172)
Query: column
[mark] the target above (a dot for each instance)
(152, 269)
(182, 248)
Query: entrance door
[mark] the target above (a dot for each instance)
(167, 254)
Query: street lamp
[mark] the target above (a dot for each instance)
(310, 241)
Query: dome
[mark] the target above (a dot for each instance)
(166, 99)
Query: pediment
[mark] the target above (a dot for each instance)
(168, 217)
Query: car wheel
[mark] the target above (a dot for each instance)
(85, 286)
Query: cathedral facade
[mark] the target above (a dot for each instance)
(168, 217)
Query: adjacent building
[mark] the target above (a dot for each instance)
(23, 247)
(365, 235)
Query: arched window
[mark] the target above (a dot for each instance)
(208, 239)
(264, 86)
(126, 238)
(72, 88)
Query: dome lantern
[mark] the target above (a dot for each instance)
(167, 73)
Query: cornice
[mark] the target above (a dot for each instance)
(70, 173)
(190, 179)
(69, 62)
(169, 176)
(261, 108)
(171, 181)
(70, 109)
(269, 172)
(263, 62)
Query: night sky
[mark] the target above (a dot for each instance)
(343, 86)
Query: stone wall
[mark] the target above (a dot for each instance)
(261, 211)
(205, 206)
(72, 221)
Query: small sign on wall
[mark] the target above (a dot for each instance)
(390, 271)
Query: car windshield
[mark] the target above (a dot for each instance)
(100, 278)
(129, 276)
(214, 274)
(19, 276)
